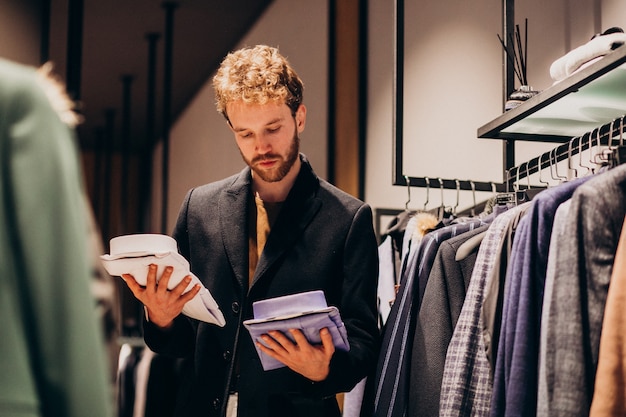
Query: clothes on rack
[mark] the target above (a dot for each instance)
(575, 309)
(392, 373)
(515, 376)
(147, 382)
(441, 305)
(466, 381)
(502, 315)
(405, 231)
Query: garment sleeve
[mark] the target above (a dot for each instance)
(45, 204)
(358, 309)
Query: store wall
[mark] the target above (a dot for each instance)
(453, 85)
(20, 32)
(203, 148)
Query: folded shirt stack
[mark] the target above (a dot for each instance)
(585, 55)
(132, 254)
(307, 311)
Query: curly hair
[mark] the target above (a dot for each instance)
(257, 75)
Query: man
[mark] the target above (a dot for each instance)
(321, 239)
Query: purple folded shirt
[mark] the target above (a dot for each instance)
(305, 311)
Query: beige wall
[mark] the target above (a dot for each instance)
(203, 149)
(454, 85)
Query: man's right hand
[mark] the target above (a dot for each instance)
(162, 305)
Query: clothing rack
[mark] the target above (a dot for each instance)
(601, 136)
(398, 86)
(450, 184)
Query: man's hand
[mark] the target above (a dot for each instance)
(163, 305)
(311, 361)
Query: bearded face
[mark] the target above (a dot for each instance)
(267, 136)
(274, 167)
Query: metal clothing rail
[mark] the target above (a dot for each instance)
(601, 136)
(398, 113)
(450, 184)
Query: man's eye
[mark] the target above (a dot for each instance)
(273, 129)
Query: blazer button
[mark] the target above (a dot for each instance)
(235, 307)
(216, 404)
(227, 355)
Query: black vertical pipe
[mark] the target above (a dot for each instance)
(398, 94)
(508, 25)
(74, 47)
(332, 90)
(145, 176)
(167, 87)
(362, 104)
(109, 136)
(98, 151)
(126, 149)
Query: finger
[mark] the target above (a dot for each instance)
(277, 341)
(191, 293)
(132, 284)
(299, 337)
(327, 341)
(270, 352)
(180, 288)
(281, 339)
(151, 278)
(165, 279)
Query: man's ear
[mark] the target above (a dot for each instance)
(300, 118)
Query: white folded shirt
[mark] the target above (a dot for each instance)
(576, 59)
(202, 307)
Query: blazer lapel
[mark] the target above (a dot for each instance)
(297, 212)
(233, 216)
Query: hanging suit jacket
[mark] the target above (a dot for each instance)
(391, 392)
(516, 372)
(581, 283)
(466, 384)
(322, 239)
(52, 358)
(441, 306)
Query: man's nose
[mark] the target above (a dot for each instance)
(263, 144)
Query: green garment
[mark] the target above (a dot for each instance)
(52, 358)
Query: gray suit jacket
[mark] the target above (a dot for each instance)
(581, 282)
(322, 239)
(441, 306)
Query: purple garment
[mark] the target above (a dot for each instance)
(310, 324)
(516, 373)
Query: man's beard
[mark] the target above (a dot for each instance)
(284, 165)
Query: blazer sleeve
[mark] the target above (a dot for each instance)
(358, 309)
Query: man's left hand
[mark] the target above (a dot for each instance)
(311, 361)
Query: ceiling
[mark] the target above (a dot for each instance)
(115, 45)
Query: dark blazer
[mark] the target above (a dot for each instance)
(441, 306)
(322, 239)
